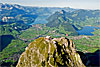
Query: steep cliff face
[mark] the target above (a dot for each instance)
(48, 52)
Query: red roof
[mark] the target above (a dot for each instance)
(66, 34)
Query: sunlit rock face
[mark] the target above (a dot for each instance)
(50, 52)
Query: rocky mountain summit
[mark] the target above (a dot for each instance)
(50, 52)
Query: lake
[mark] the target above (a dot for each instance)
(41, 20)
(87, 30)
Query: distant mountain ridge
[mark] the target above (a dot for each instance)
(25, 13)
(75, 16)
(17, 12)
(29, 14)
(59, 20)
(73, 21)
(10, 6)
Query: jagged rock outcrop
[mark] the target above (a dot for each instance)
(48, 52)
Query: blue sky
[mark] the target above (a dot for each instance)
(83, 4)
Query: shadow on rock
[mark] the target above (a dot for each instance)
(90, 59)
